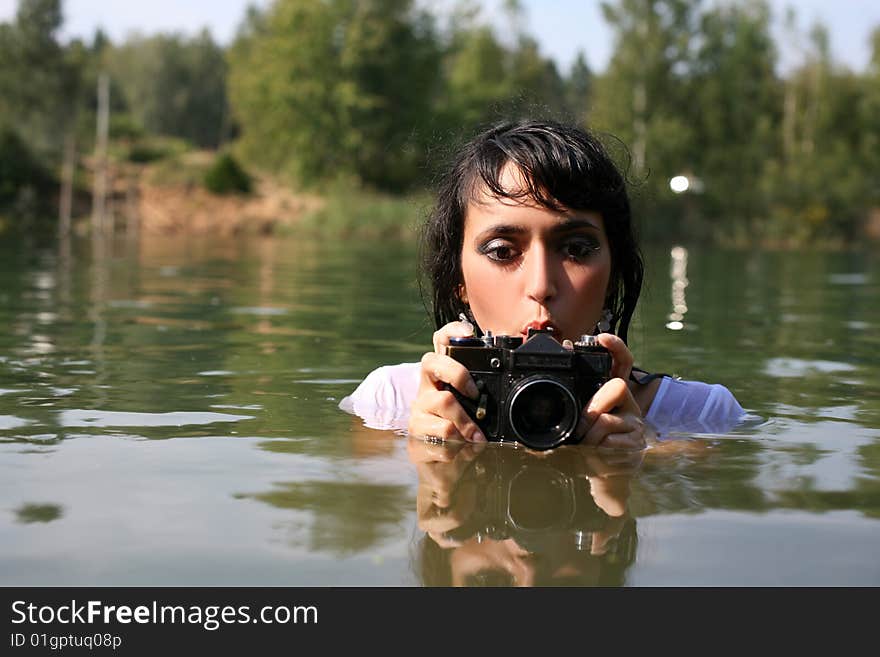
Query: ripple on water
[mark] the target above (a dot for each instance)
(797, 367)
(259, 310)
(97, 418)
(848, 279)
(13, 422)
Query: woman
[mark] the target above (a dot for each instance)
(532, 229)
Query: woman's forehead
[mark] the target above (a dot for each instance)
(524, 213)
(513, 186)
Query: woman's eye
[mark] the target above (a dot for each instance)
(500, 251)
(580, 248)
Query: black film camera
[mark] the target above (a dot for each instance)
(532, 391)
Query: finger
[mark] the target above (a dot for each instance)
(621, 356)
(437, 370)
(452, 329)
(423, 424)
(446, 406)
(439, 414)
(613, 396)
(609, 424)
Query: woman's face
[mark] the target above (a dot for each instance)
(527, 266)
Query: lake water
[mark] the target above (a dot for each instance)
(169, 416)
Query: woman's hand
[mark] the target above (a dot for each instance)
(612, 418)
(435, 411)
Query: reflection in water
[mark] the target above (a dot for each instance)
(345, 517)
(678, 272)
(497, 515)
(30, 513)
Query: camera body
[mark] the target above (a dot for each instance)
(531, 391)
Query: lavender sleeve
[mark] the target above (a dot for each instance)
(693, 407)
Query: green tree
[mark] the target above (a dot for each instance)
(579, 89)
(35, 80)
(173, 85)
(642, 97)
(334, 89)
(477, 83)
(821, 184)
(735, 104)
(869, 119)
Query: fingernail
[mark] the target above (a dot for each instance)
(468, 326)
(478, 437)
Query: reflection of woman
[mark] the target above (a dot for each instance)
(503, 517)
(532, 229)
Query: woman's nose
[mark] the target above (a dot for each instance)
(541, 275)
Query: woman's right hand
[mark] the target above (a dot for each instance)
(435, 411)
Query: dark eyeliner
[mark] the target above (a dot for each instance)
(587, 244)
(490, 249)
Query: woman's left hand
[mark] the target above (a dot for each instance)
(612, 418)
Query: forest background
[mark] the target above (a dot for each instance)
(345, 109)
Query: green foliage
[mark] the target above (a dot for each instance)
(335, 88)
(350, 211)
(172, 85)
(125, 127)
(177, 171)
(696, 91)
(226, 176)
(37, 84)
(364, 93)
(21, 174)
(736, 53)
(146, 149)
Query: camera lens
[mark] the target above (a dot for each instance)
(542, 412)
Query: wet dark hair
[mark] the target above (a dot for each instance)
(562, 167)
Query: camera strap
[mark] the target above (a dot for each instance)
(647, 378)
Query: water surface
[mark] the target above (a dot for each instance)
(169, 416)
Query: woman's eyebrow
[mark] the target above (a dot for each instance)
(501, 229)
(574, 223)
(568, 224)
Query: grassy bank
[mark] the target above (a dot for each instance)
(359, 213)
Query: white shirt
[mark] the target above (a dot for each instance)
(382, 401)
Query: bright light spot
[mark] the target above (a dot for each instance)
(675, 326)
(679, 184)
